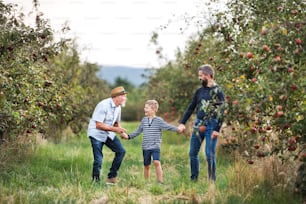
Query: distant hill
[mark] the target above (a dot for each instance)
(133, 75)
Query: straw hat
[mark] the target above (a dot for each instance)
(118, 91)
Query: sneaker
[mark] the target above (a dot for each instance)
(96, 179)
(111, 181)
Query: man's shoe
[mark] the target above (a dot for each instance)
(96, 179)
(111, 181)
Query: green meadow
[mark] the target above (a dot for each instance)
(61, 173)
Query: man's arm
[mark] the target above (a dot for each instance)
(115, 128)
(189, 109)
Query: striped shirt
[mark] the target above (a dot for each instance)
(152, 132)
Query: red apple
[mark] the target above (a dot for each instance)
(277, 58)
(250, 161)
(202, 128)
(290, 69)
(260, 154)
(298, 41)
(292, 141)
(268, 128)
(264, 31)
(294, 12)
(297, 138)
(294, 87)
(266, 47)
(235, 102)
(292, 147)
(249, 55)
(256, 146)
(253, 130)
(280, 8)
(263, 138)
(279, 113)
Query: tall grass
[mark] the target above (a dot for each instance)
(61, 173)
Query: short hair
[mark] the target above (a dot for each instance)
(153, 104)
(207, 69)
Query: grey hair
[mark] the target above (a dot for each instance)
(207, 69)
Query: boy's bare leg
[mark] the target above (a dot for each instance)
(146, 172)
(159, 171)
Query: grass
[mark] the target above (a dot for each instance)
(61, 173)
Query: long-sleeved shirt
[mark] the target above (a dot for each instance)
(208, 94)
(152, 132)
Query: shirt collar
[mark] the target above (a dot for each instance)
(113, 105)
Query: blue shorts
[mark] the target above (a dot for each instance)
(150, 153)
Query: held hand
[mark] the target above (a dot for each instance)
(214, 134)
(181, 128)
(120, 130)
(124, 136)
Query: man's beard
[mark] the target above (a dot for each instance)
(204, 82)
(123, 103)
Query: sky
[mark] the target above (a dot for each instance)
(118, 32)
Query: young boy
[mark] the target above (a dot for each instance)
(151, 126)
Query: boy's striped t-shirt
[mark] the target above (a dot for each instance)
(152, 132)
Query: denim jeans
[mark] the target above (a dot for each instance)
(210, 150)
(97, 147)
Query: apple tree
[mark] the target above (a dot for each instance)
(43, 85)
(264, 77)
(258, 51)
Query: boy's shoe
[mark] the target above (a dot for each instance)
(111, 181)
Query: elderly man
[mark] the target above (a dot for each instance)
(102, 129)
